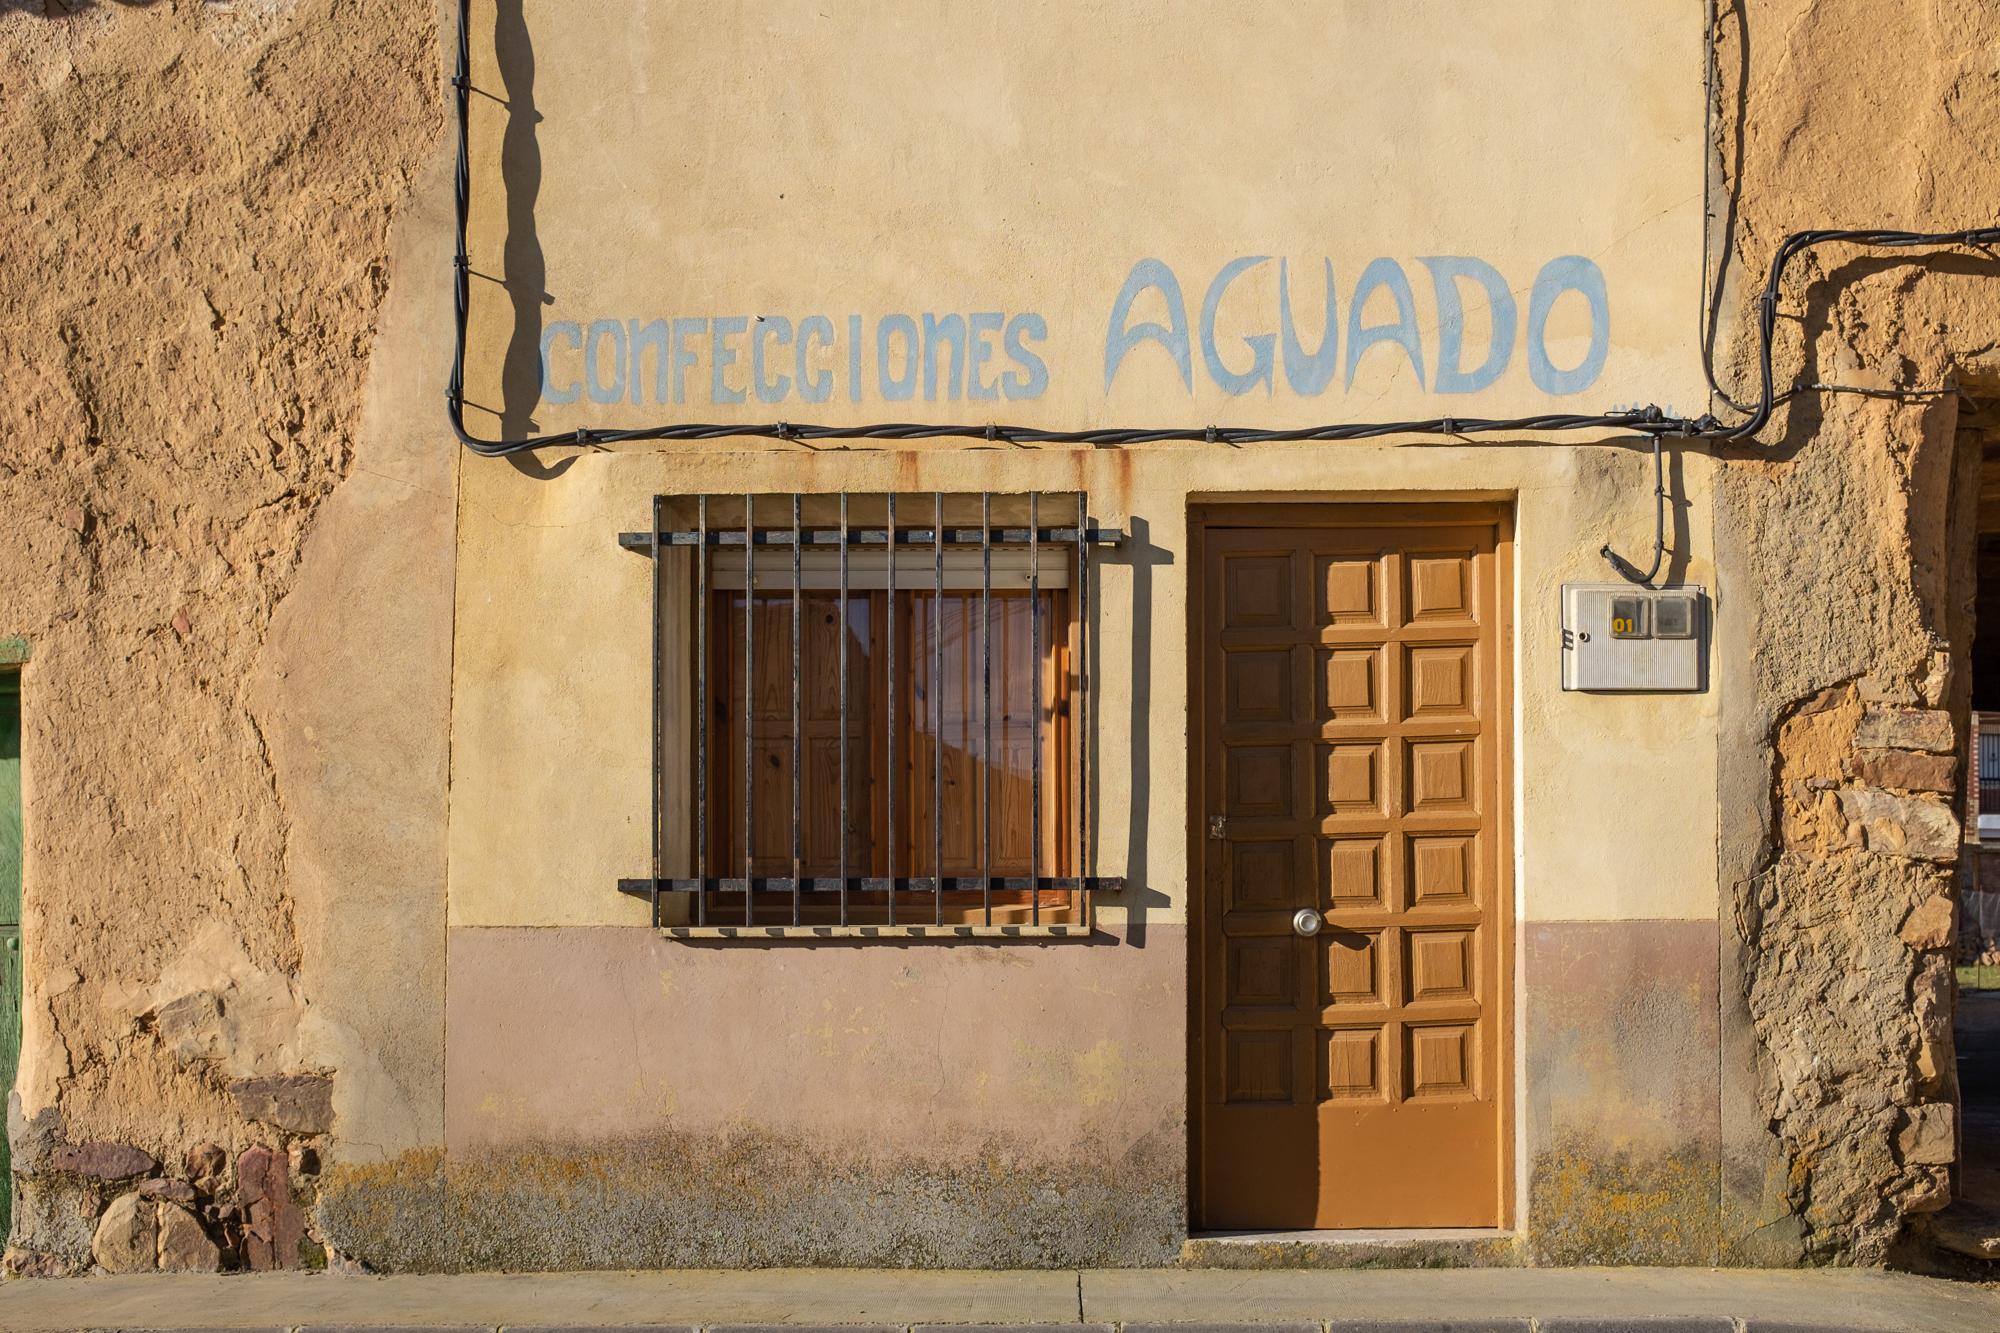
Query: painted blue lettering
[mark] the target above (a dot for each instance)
(1148, 274)
(682, 357)
(1035, 381)
(979, 350)
(1446, 270)
(601, 329)
(1569, 273)
(853, 356)
(571, 332)
(1259, 344)
(814, 387)
(652, 335)
(948, 330)
(902, 388)
(769, 327)
(1308, 375)
(721, 355)
(1387, 274)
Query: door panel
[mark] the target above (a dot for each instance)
(1352, 727)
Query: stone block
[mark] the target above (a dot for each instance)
(1929, 924)
(1912, 826)
(1907, 770)
(174, 1191)
(272, 1223)
(1883, 728)
(184, 1247)
(1927, 1135)
(126, 1236)
(101, 1161)
(300, 1103)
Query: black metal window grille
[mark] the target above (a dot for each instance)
(921, 603)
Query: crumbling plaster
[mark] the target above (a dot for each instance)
(1833, 541)
(199, 205)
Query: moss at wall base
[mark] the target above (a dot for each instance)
(752, 1200)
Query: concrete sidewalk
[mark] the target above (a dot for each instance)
(1658, 1300)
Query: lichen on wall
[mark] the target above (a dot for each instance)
(198, 199)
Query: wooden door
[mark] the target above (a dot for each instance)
(1352, 719)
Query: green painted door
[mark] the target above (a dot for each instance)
(10, 915)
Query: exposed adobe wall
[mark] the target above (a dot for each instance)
(199, 200)
(1840, 688)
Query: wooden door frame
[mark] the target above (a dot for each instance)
(1411, 512)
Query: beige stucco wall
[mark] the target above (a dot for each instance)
(552, 756)
(884, 158)
(234, 511)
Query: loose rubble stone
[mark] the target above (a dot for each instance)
(272, 1225)
(301, 1103)
(177, 1191)
(1928, 1135)
(205, 1161)
(1907, 771)
(103, 1161)
(184, 1246)
(1905, 729)
(1902, 825)
(126, 1236)
(1929, 924)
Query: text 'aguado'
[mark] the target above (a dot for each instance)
(996, 356)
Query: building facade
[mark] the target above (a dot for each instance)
(1085, 820)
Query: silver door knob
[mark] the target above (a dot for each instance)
(1306, 921)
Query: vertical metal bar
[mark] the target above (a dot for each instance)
(659, 692)
(798, 629)
(1080, 709)
(1037, 680)
(986, 703)
(844, 808)
(937, 699)
(701, 713)
(889, 777)
(749, 700)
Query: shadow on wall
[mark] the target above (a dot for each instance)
(1142, 556)
(526, 269)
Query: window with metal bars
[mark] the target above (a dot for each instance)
(870, 714)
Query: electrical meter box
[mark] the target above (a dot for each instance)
(1622, 638)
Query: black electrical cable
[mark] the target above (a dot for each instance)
(1651, 421)
(1626, 568)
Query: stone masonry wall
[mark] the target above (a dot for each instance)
(1848, 113)
(197, 202)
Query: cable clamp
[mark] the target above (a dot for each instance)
(585, 436)
(992, 432)
(461, 82)
(1208, 434)
(784, 431)
(1448, 426)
